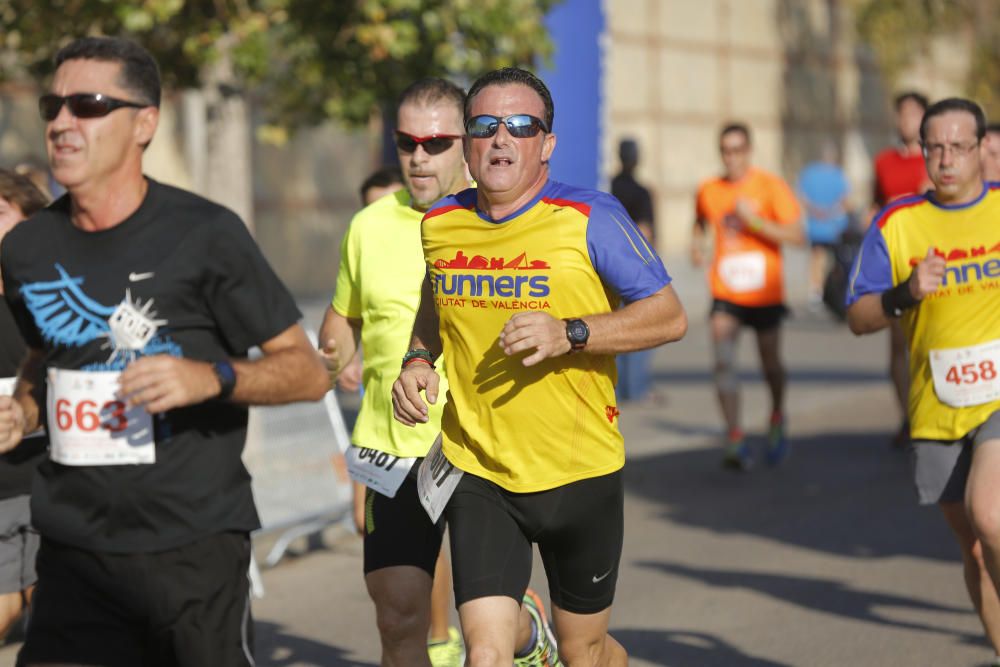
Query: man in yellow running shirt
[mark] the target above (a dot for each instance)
(378, 289)
(524, 279)
(932, 262)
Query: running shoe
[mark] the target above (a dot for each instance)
(777, 441)
(447, 653)
(544, 653)
(737, 456)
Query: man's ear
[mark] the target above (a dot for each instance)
(147, 120)
(548, 146)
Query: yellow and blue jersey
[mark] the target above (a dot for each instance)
(965, 310)
(569, 252)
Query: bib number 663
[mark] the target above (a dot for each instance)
(87, 416)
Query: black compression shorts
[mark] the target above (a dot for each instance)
(760, 318)
(398, 530)
(579, 529)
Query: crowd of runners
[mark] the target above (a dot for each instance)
(490, 302)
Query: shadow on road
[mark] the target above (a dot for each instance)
(796, 375)
(275, 648)
(841, 493)
(822, 595)
(681, 649)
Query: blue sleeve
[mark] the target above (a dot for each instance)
(620, 254)
(872, 270)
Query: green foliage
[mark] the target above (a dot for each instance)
(305, 60)
(899, 31)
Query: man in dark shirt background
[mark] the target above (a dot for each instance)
(633, 368)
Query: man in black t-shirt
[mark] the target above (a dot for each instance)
(19, 199)
(138, 303)
(633, 368)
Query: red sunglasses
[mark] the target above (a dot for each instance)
(433, 144)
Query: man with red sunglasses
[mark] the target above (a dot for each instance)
(378, 290)
(524, 276)
(138, 303)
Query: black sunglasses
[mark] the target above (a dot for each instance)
(519, 125)
(434, 144)
(82, 105)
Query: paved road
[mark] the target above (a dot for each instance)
(824, 561)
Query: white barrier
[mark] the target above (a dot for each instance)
(295, 455)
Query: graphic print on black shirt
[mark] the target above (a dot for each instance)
(65, 315)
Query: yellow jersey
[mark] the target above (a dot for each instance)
(569, 253)
(948, 329)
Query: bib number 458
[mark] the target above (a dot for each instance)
(971, 373)
(87, 417)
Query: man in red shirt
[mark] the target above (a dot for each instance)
(899, 171)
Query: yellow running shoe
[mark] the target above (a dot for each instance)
(447, 653)
(545, 652)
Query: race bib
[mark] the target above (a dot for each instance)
(965, 376)
(744, 271)
(377, 470)
(436, 481)
(90, 425)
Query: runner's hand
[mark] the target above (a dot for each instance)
(328, 353)
(927, 275)
(350, 375)
(541, 332)
(697, 255)
(163, 382)
(407, 406)
(745, 210)
(11, 423)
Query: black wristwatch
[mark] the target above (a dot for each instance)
(226, 374)
(577, 333)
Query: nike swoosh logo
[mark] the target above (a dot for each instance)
(136, 277)
(597, 579)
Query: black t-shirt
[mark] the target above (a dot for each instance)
(17, 467)
(634, 197)
(192, 266)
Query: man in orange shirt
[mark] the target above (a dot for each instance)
(750, 213)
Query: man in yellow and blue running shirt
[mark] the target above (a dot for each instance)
(932, 261)
(378, 289)
(524, 276)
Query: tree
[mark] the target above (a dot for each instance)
(899, 31)
(303, 61)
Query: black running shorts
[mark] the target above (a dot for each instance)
(398, 530)
(760, 318)
(185, 607)
(579, 529)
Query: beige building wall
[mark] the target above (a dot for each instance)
(677, 70)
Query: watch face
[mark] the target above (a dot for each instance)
(577, 331)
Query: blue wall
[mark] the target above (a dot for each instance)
(575, 82)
